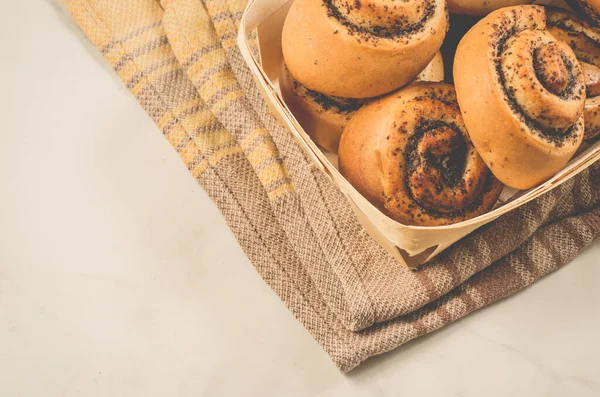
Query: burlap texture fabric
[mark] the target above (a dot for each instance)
(180, 60)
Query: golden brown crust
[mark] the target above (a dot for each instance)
(321, 116)
(584, 39)
(587, 9)
(324, 117)
(481, 7)
(410, 154)
(361, 48)
(525, 124)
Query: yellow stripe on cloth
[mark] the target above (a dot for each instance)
(140, 52)
(152, 37)
(192, 37)
(280, 191)
(210, 160)
(220, 7)
(210, 140)
(213, 159)
(176, 135)
(225, 27)
(189, 153)
(198, 170)
(123, 33)
(226, 100)
(265, 151)
(253, 136)
(201, 119)
(194, 41)
(270, 173)
(183, 108)
(210, 88)
(210, 58)
(150, 77)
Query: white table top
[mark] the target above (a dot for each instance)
(111, 258)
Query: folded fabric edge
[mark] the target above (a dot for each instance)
(513, 273)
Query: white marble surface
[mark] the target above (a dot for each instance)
(111, 259)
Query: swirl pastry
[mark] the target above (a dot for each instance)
(588, 9)
(521, 93)
(481, 7)
(410, 154)
(324, 117)
(361, 48)
(585, 42)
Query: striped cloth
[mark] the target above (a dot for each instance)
(179, 59)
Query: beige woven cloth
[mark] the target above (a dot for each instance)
(179, 59)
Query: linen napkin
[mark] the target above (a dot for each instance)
(180, 60)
